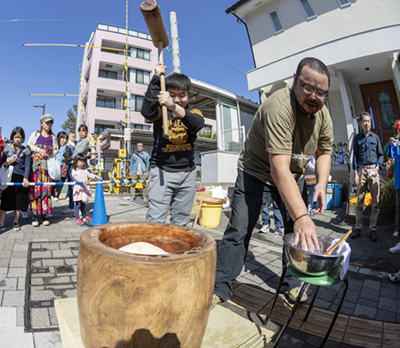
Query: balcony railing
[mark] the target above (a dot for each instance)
(122, 31)
(119, 78)
(109, 106)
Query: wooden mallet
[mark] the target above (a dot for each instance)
(155, 24)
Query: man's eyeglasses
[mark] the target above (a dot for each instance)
(309, 90)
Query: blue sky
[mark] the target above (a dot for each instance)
(53, 70)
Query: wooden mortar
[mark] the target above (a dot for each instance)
(129, 300)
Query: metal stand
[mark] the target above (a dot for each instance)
(289, 319)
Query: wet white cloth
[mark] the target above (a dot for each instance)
(343, 248)
(143, 248)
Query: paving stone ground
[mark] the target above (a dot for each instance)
(38, 265)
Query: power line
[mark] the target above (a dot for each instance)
(61, 20)
(213, 57)
(220, 77)
(41, 99)
(35, 78)
(60, 95)
(44, 20)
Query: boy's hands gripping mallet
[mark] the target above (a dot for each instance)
(155, 24)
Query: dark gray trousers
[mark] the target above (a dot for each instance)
(249, 198)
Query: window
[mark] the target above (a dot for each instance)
(99, 128)
(308, 9)
(112, 51)
(386, 108)
(344, 3)
(140, 126)
(276, 21)
(105, 102)
(108, 74)
(139, 76)
(136, 102)
(140, 54)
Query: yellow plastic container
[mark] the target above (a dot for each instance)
(210, 214)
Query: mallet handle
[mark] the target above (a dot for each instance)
(162, 84)
(328, 252)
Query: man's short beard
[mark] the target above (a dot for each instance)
(302, 109)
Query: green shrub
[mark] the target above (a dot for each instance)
(204, 133)
(388, 199)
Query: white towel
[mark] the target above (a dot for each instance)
(343, 248)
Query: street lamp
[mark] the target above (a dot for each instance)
(40, 106)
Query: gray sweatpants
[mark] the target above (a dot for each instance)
(171, 189)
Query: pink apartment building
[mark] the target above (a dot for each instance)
(103, 85)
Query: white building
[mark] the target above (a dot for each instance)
(357, 40)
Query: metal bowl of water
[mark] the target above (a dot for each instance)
(311, 263)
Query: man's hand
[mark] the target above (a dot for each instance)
(319, 195)
(304, 229)
(160, 69)
(164, 98)
(25, 183)
(356, 178)
(391, 140)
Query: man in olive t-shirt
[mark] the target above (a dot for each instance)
(290, 127)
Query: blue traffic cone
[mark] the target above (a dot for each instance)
(99, 209)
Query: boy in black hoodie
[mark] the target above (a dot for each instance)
(172, 168)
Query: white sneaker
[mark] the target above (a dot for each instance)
(280, 231)
(264, 228)
(395, 233)
(395, 278)
(67, 211)
(24, 215)
(55, 199)
(395, 249)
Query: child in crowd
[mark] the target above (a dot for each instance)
(71, 140)
(1, 150)
(1, 144)
(16, 197)
(81, 192)
(64, 154)
(82, 146)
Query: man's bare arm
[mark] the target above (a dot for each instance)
(304, 227)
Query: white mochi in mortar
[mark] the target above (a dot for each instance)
(143, 248)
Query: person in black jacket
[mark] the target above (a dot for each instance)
(172, 168)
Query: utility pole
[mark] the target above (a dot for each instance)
(79, 109)
(176, 63)
(128, 123)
